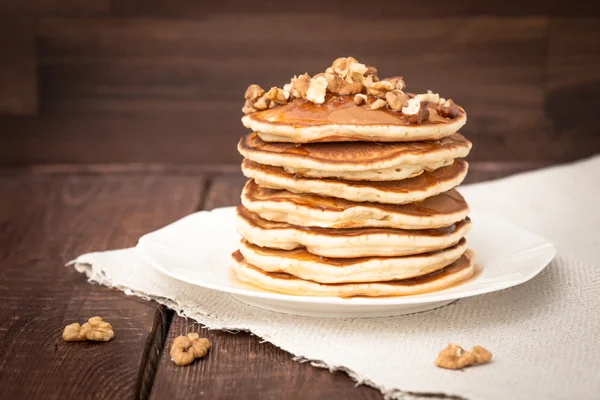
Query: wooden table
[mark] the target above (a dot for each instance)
(50, 215)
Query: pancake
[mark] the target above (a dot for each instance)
(391, 192)
(302, 264)
(339, 119)
(356, 160)
(400, 172)
(347, 243)
(328, 212)
(456, 273)
(353, 156)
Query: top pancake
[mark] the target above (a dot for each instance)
(339, 119)
(352, 156)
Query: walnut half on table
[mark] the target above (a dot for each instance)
(185, 349)
(95, 330)
(455, 357)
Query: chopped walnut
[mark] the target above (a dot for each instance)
(396, 99)
(371, 71)
(455, 357)
(256, 100)
(360, 99)
(337, 85)
(350, 70)
(348, 77)
(377, 104)
(341, 65)
(253, 92)
(380, 88)
(186, 349)
(278, 95)
(429, 96)
(416, 110)
(298, 86)
(262, 103)
(448, 109)
(317, 90)
(95, 329)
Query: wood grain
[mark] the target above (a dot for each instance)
(47, 220)
(240, 366)
(18, 69)
(573, 88)
(36, 8)
(374, 9)
(163, 90)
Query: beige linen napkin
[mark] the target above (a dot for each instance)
(545, 334)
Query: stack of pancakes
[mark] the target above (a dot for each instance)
(344, 200)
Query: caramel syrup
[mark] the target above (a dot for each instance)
(301, 254)
(255, 220)
(420, 182)
(444, 203)
(339, 110)
(353, 152)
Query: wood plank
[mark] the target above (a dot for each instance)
(47, 220)
(374, 9)
(186, 78)
(573, 89)
(18, 69)
(240, 365)
(37, 8)
(110, 84)
(209, 60)
(169, 137)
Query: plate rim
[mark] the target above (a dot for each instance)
(546, 248)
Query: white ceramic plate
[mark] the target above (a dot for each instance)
(197, 249)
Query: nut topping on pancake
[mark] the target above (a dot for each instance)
(448, 109)
(348, 77)
(417, 110)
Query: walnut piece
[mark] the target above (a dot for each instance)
(455, 357)
(348, 77)
(396, 99)
(258, 100)
(377, 104)
(352, 71)
(278, 95)
(95, 329)
(429, 96)
(253, 92)
(416, 110)
(186, 349)
(317, 90)
(448, 109)
(337, 85)
(72, 333)
(298, 86)
(342, 64)
(360, 99)
(380, 88)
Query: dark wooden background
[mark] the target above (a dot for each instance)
(149, 81)
(120, 116)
